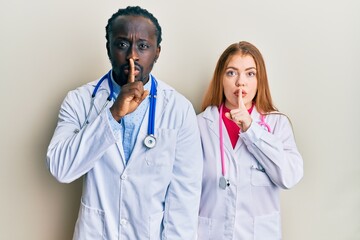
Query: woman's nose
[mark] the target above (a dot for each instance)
(239, 82)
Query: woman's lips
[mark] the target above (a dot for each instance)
(242, 92)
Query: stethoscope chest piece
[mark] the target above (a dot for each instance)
(150, 141)
(223, 183)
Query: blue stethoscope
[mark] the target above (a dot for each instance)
(150, 140)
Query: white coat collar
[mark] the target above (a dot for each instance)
(163, 91)
(211, 114)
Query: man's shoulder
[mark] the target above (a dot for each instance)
(82, 92)
(170, 92)
(162, 86)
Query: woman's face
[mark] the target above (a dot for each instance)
(240, 78)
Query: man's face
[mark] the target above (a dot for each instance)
(132, 37)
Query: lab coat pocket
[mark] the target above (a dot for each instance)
(259, 177)
(90, 224)
(210, 229)
(267, 227)
(163, 154)
(156, 226)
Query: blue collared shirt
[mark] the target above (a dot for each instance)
(127, 130)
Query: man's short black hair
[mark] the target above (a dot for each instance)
(134, 11)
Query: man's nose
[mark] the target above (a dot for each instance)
(132, 53)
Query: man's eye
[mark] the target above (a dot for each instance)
(122, 45)
(143, 46)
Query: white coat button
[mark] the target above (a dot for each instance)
(124, 176)
(123, 222)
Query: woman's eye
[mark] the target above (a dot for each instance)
(251, 74)
(231, 73)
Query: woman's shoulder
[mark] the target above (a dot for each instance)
(208, 112)
(278, 116)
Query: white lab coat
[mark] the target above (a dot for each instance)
(156, 195)
(249, 208)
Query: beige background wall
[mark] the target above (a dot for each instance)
(49, 47)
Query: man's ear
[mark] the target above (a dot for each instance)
(158, 50)
(108, 50)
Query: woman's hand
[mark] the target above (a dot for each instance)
(240, 115)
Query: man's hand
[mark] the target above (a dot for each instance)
(130, 97)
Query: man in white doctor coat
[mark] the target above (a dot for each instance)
(132, 189)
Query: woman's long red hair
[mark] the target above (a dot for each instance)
(215, 93)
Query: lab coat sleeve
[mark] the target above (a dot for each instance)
(276, 151)
(183, 195)
(73, 151)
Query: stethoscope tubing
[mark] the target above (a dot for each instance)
(152, 108)
(222, 152)
(93, 95)
(223, 171)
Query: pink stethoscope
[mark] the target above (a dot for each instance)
(223, 183)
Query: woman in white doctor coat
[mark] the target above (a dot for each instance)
(249, 151)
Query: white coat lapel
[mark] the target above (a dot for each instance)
(101, 98)
(99, 101)
(238, 145)
(212, 115)
(161, 102)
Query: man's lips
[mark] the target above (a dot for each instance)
(137, 70)
(127, 71)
